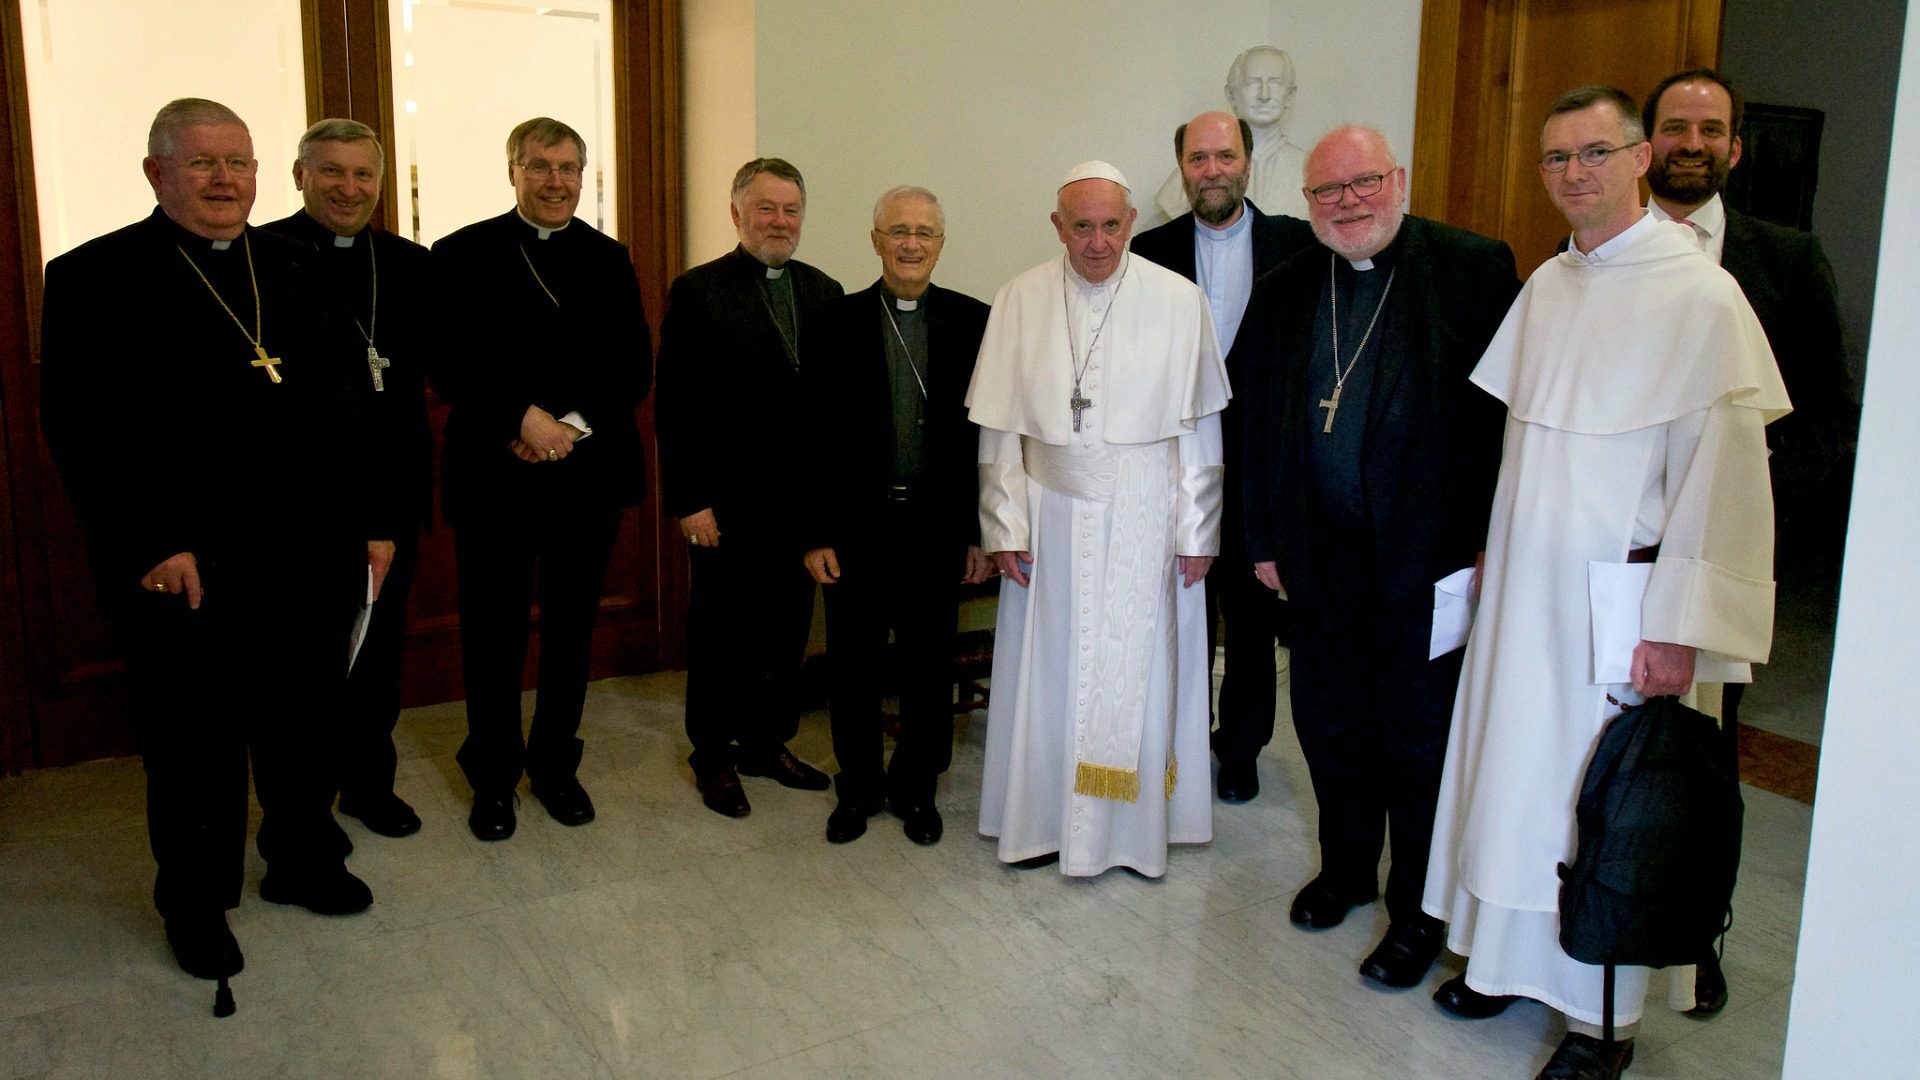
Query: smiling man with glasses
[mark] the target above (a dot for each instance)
(1368, 472)
(1637, 383)
(545, 344)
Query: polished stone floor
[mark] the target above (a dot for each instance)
(665, 941)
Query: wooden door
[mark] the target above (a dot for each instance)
(1488, 71)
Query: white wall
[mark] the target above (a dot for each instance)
(990, 101)
(1854, 983)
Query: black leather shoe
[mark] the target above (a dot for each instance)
(721, 791)
(491, 817)
(786, 770)
(566, 802)
(1709, 989)
(922, 823)
(848, 822)
(1321, 906)
(203, 946)
(387, 815)
(1463, 1001)
(326, 892)
(1238, 782)
(1404, 955)
(1583, 1057)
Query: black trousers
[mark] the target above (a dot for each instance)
(1249, 693)
(504, 560)
(1372, 714)
(258, 671)
(748, 617)
(907, 582)
(367, 758)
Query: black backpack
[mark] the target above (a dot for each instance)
(1659, 819)
(1659, 829)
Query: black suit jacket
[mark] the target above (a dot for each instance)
(849, 397)
(403, 330)
(1276, 237)
(507, 345)
(731, 431)
(1432, 448)
(168, 440)
(1786, 277)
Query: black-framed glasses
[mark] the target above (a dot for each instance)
(1364, 187)
(1590, 156)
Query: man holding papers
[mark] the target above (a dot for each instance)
(1358, 503)
(1638, 384)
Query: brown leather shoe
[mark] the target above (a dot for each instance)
(785, 769)
(721, 791)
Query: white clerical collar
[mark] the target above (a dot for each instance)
(343, 241)
(1231, 232)
(905, 305)
(541, 230)
(221, 245)
(775, 273)
(1625, 239)
(1708, 219)
(1360, 264)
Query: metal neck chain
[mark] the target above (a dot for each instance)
(373, 305)
(1333, 302)
(254, 338)
(904, 351)
(1074, 356)
(537, 279)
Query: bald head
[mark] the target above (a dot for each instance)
(1356, 191)
(1214, 167)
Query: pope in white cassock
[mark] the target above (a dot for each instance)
(1098, 392)
(1638, 384)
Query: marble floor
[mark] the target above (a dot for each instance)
(665, 941)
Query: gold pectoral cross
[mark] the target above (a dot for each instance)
(1332, 405)
(269, 362)
(374, 363)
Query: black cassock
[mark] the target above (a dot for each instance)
(171, 437)
(382, 290)
(557, 323)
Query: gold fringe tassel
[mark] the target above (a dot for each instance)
(1173, 775)
(1106, 782)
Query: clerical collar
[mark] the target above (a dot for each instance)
(1112, 280)
(343, 241)
(221, 245)
(541, 230)
(1231, 232)
(1360, 264)
(775, 273)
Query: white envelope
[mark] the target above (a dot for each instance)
(1615, 592)
(358, 636)
(1453, 607)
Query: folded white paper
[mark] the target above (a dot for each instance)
(1453, 605)
(1615, 592)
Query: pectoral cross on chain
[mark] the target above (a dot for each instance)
(1079, 405)
(269, 362)
(374, 363)
(1332, 405)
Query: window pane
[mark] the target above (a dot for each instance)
(465, 73)
(97, 71)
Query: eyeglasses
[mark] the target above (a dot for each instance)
(540, 170)
(1364, 187)
(899, 234)
(205, 166)
(1591, 156)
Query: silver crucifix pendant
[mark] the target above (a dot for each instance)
(374, 363)
(1079, 405)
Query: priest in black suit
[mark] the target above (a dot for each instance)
(738, 332)
(1223, 245)
(1359, 502)
(545, 358)
(382, 302)
(212, 443)
(1692, 119)
(893, 530)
